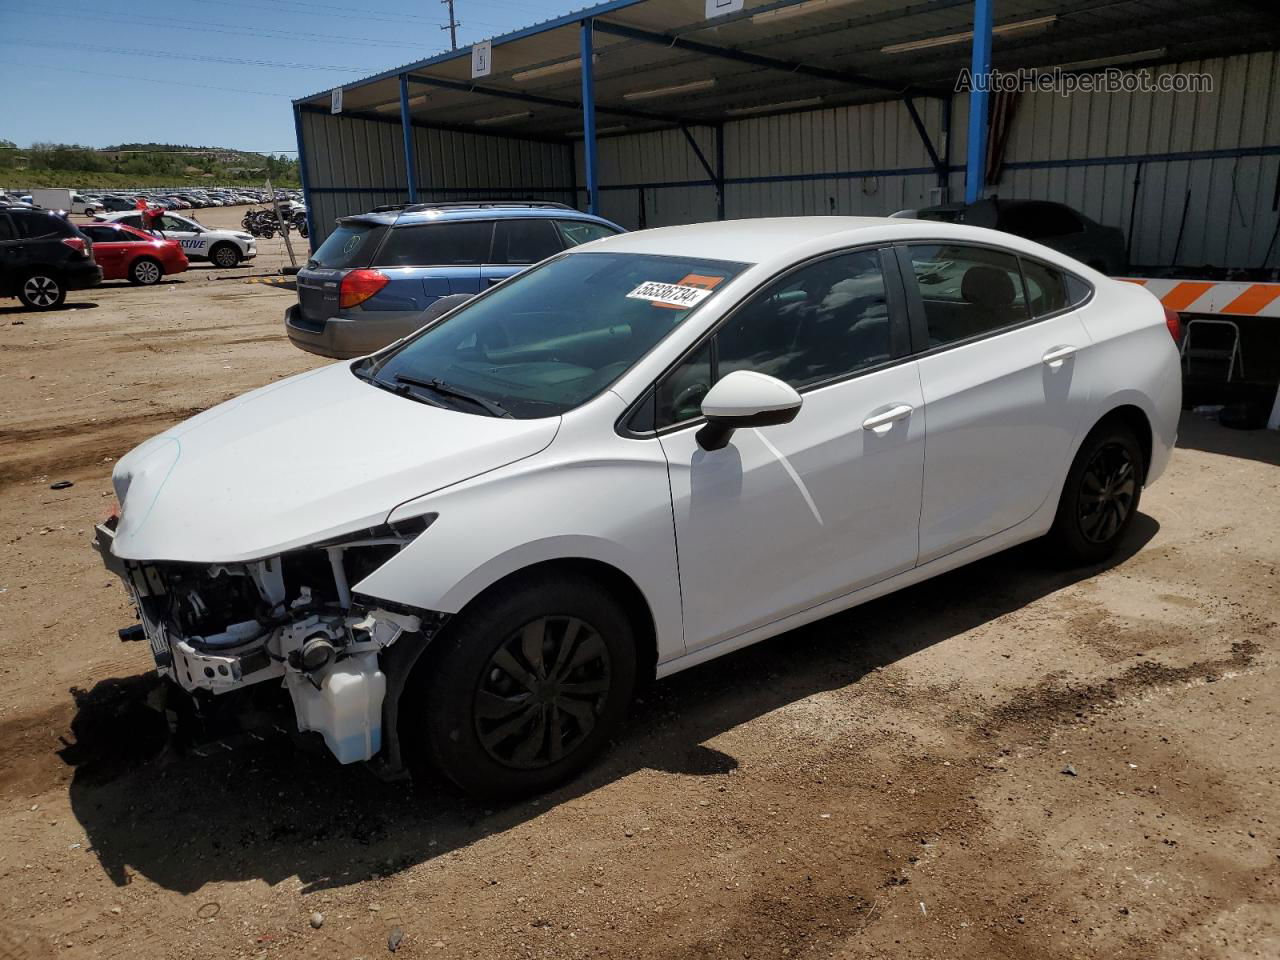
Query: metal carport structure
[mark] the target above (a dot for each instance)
(654, 111)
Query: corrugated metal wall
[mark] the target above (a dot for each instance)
(354, 164)
(1220, 149)
(1084, 150)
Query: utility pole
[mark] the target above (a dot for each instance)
(452, 26)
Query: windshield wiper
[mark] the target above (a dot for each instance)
(492, 407)
(400, 390)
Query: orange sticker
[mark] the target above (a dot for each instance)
(690, 280)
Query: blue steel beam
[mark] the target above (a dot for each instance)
(406, 132)
(976, 149)
(589, 117)
(302, 173)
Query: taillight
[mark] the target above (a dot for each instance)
(359, 285)
(1174, 323)
(75, 243)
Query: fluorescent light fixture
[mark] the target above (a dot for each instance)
(799, 10)
(616, 128)
(1155, 54)
(784, 105)
(668, 91)
(564, 66)
(504, 118)
(930, 42)
(394, 105)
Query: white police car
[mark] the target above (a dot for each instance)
(225, 248)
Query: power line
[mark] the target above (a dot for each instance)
(126, 76)
(226, 28)
(125, 51)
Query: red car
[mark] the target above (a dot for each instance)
(125, 253)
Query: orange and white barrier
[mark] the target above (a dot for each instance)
(1207, 296)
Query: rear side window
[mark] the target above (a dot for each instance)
(350, 245)
(104, 234)
(35, 225)
(967, 291)
(575, 232)
(525, 240)
(1037, 220)
(463, 243)
(1046, 288)
(133, 220)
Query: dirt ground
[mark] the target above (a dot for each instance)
(1009, 761)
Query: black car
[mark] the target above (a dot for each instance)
(42, 256)
(114, 203)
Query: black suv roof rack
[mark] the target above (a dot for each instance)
(469, 205)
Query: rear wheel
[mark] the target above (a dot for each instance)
(1100, 497)
(225, 255)
(526, 690)
(145, 272)
(42, 291)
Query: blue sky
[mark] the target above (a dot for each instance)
(81, 71)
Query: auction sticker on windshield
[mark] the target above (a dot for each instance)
(672, 294)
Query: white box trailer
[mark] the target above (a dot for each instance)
(63, 198)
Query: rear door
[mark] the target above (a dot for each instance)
(109, 249)
(426, 261)
(13, 252)
(1004, 368)
(518, 243)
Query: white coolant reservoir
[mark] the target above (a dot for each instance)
(346, 709)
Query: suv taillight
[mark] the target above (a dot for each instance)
(1174, 323)
(359, 285)
(75, 243)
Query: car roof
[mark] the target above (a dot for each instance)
(473, 210)
(776, 242)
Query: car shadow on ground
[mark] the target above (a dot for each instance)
(21, 312)
(271, 811)
(1198, 433)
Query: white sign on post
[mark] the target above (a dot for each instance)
(718, 8)
(481, 59)
(335, 100)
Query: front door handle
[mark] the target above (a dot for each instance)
(884, 421)
(1057, 355)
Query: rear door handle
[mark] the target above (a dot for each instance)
(882, 422)
(1057, 355)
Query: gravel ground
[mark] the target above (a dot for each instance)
(1008, 761)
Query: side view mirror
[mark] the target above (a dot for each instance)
(745, 398)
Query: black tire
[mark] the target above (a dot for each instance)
(485, 707)
(225, 255)
(1100, 497)
(42, 290)
(145, 271)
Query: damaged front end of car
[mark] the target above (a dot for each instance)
(216, 629)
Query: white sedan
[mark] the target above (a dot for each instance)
(224, 248)
(465, 551)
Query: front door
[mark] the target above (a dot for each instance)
(790, 516)
(1004, 368)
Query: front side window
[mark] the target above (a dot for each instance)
(967, 291)
(826, 320)
(524, 240)
(576, 232)
(462, 243)
(554, 336)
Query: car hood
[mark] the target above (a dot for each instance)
(309, 458)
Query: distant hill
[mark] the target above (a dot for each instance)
(139, 164)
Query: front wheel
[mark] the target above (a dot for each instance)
(225, 255)
(525, 690)
(1100, 497)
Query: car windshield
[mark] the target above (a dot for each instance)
(553, 337)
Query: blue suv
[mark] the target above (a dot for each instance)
(381, 275)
